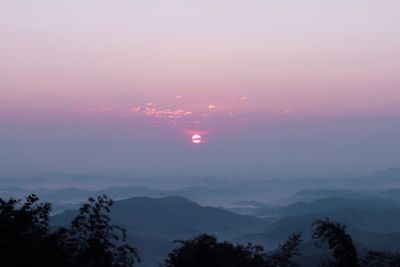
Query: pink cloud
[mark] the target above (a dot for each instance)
(152, 111)
(214, 107)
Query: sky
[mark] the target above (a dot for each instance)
(295, 86)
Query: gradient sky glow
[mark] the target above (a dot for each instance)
(125, 84)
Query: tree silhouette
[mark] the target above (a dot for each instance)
(334, 234)
(26, 240)
(97, 242)
(24, 232)
(284, 257)
(205, 251)
(381, 259)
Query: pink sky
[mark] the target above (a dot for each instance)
(308, 57)
(233, 64)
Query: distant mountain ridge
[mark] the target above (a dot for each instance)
(391, 173)
(153, 223)
(174, 217)
(366, 225)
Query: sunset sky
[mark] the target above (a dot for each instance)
(109, 85)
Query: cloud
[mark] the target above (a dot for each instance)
(284, 112)
(233, 111)
(214, 107)
(152, 111)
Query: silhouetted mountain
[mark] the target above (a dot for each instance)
(393, 173)
(326, 193)
(327, 205)
(393, 194)
(336, 204)
(130, 191)
(153, 223)
(369, 229)
(383, 180)
(71, 197)
(175, 217)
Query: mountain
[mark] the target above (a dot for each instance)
(367, 227)
(383, 201)
(336, 204)
(393, 173)
(153, 223)
(382, 180)
(307, 195)
(174, 217)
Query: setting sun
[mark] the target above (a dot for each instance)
(196, 139)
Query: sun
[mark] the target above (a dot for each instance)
(196, 139)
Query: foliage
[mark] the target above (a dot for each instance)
(91, 233)
(381, 259)
(284, 257)
(91, 240)
(204, 250)
(334, 234)
(23, 232)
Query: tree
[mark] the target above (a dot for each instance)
(381, 259)
(23, 232)
(94, 241)
(284, 257)
(334, 234)
(26, 240)
(205, 251)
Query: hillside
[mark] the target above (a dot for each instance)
(153, 223)
(367, 228)
(174, 217)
